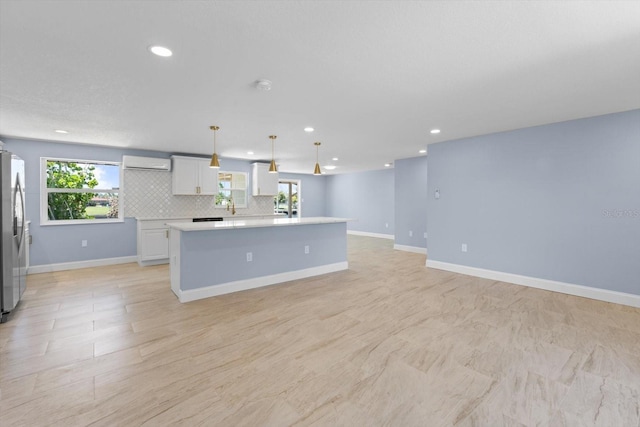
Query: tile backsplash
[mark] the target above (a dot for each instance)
(147, 194)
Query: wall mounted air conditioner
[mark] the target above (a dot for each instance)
(146, 163)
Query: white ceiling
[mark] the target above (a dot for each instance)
(372, 77)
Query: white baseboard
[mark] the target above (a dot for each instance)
(48, 268)
(406, 248)
(367, 234)
(152, 262)
(534, 282)
(258, 282)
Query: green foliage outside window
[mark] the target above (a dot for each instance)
(69, 175)
(224, 196)
(280, 201)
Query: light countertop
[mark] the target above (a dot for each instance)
(224, 215)
(253, 223)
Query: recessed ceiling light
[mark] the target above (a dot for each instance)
(422, 151)
(160, 51)
(263, 84)
(250, 153)
(435, 131)
(387, 165)
(335, 159)
(60, 131)
(308, 129)
(330, 167)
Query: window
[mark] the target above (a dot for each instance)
(79, 191)
(232, 189)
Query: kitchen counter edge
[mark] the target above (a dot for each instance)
(255, 223)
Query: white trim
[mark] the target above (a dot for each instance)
(367, 234)
(150, 262)
(258, 282)
(48, 268)
(534, 282)
(414, 249)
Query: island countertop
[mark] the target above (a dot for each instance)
(253, 223)
(223, 214)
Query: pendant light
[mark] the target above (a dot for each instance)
(317, 170)
(215, 164)
(272, 167)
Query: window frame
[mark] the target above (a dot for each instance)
(45, 191)
(232, 189)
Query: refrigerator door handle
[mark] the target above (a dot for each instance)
(19, 193)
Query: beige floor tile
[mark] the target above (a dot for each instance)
(388, 342)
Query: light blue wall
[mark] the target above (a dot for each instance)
(62, 243)
(410, 192)
(365, 196)
(558, 202)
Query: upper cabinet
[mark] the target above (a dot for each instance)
(264, 183)
(193, 176)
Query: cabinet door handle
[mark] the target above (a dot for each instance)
(166, 233)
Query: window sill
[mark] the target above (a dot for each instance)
(81, 221)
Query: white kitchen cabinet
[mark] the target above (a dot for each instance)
(264, 183)
(153, 241)
(193, 176)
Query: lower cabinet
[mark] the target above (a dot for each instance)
(153, 242)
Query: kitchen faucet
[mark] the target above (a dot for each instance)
(233, 206)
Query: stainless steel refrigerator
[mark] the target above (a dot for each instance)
(13, 245)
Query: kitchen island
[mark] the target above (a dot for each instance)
(215, 258)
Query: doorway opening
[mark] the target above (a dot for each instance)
(288, 201)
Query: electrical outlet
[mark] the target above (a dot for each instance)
(464, 247)
(84, 243)
(249, 256)
(306, 249)
(425, 235)
(410, 233)
(386, 225)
